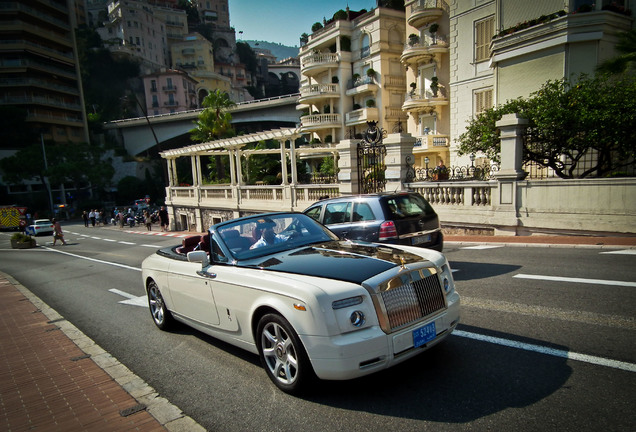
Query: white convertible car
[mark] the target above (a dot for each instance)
(284, 287)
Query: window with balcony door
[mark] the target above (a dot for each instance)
(484, 31)
(483, 100)
(365, 51)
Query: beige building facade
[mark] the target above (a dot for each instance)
(195, 55)
(351, 74)
(506, 49)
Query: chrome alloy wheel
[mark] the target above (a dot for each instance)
(160, 315)
(279, 353)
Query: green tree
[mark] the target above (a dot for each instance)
(592, 119)
(247, 56)
(625, 61)
(105, 79)
(214, 123)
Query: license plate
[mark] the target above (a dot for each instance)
(421, 239)
(423, 335)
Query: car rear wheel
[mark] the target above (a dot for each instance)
(160, 314)
(282, 354)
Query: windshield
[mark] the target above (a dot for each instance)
(266, 234)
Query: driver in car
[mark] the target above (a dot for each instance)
(268, 236)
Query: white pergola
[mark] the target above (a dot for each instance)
(233, 147)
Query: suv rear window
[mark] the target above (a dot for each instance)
(406, 206)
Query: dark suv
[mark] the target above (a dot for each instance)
(404, 218)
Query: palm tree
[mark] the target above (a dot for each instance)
(624, 61)
(214, 123)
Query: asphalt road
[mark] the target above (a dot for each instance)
(547, 342)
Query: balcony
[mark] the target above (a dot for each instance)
(316, 92)
(430, 142)
(318, 62)
(187, 51)
(314, 122)
(421, 101)
(362, 85)
(423, 12)
(417, 51)
(361, 116)
(169, 88)
(395, 113)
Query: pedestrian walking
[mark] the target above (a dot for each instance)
(147, 220)
(57, 232)
(164, 219)
(85, 218)
(93, 217)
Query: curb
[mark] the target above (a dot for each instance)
(167, 414)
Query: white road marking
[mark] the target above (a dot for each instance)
(132, 299)
(601, 361)
(481, 247)
(622, 252)
(109, 240)
(576, 280)
(126, 243)
(92, 259)
(150, 246)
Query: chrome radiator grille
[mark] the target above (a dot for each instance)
(413, 301)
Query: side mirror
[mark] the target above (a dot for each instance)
(199, 256)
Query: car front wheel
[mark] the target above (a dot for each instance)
(282, 354)
(160, 313)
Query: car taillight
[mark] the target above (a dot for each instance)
(388, 231)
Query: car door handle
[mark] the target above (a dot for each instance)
(206, 274)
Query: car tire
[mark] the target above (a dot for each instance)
(283, 355)
(158, 310)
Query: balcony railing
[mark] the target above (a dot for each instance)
(318, 59)
(320, 120)
(361, 116)
(316, 90)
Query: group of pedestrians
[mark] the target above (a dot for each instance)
(94, 216)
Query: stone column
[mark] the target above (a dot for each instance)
(399, 148)
(348, 167)
(506, 202)
(512, 127)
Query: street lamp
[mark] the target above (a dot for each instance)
(472, 160)
(426, 161)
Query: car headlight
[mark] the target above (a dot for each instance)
(351, 301)
(357, 318)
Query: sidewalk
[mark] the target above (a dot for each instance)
(54, 378)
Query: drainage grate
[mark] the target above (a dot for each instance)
(82, 357)
(132, 410)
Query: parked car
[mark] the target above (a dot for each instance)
(284, 287)
(404, 218)
(40, 226)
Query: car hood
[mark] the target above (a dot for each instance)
(342, 260)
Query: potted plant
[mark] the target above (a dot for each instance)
(433, 30)
(356, 106)
(370, 103)
(413, 87)
(413, 39)
(334, 80)
(434, 86)
(371, 73)
(22, 241)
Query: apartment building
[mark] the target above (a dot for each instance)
(505, 49)
(426, 58)
(169, 91)
(38, 68)
(351, 74)
(195, 55)
(134, 29)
